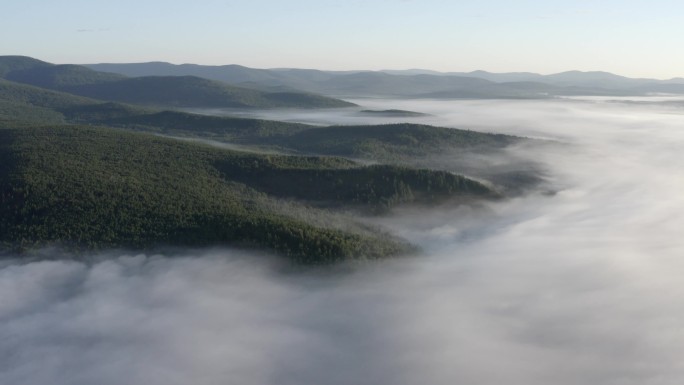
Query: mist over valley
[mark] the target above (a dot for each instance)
(572, 280)
(385, 192)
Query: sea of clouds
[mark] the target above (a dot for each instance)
(583, 286)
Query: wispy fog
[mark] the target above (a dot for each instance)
(580, 287)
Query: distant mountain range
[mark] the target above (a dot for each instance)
(409, 83)
(161, 91)
(162, 84)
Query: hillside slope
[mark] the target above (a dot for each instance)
(94, 187)
(164, 91)
(391, 141)
(414, 145)
(189, 91)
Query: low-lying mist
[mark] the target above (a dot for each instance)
(583, 286)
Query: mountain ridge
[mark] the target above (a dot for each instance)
(169, 91)
(406, 83)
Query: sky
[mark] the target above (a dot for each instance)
(631, 38)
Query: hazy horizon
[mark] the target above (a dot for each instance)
(634, 39)
(377, 70)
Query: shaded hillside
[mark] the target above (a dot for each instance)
(485, 156)
(375, 188)
(95, 187)
(225, 129)
(233, 74)
(29, 104)
(405, 144)
(188, 91)
(392, 113)
(169, 91)
(379, 142)
(22, 103)
(61, 77)
(39, 97)
(392, 141)
(10, 64)
(376, 142)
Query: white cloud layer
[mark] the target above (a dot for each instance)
(580, 287)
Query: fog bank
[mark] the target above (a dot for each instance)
(580, 287)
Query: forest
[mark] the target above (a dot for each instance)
(85, 173)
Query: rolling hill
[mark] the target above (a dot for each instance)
(65, 181)
(165, 91)
(85, 187)
(189, 91)
(374, 142)
(9, 64)
(391, 141)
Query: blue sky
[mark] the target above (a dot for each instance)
(632, 38)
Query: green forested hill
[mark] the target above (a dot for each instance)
(98, 187)
(19, 63)
(76, 107)
(64, 181)
(413, 145)
(21, 93)
(376, 188)
(393, 113)
(225, 129)
(378, 142)
(391, 141)
(189, 91)
(22, 103)
(381, 142)
(29, 104)
(60, 77)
